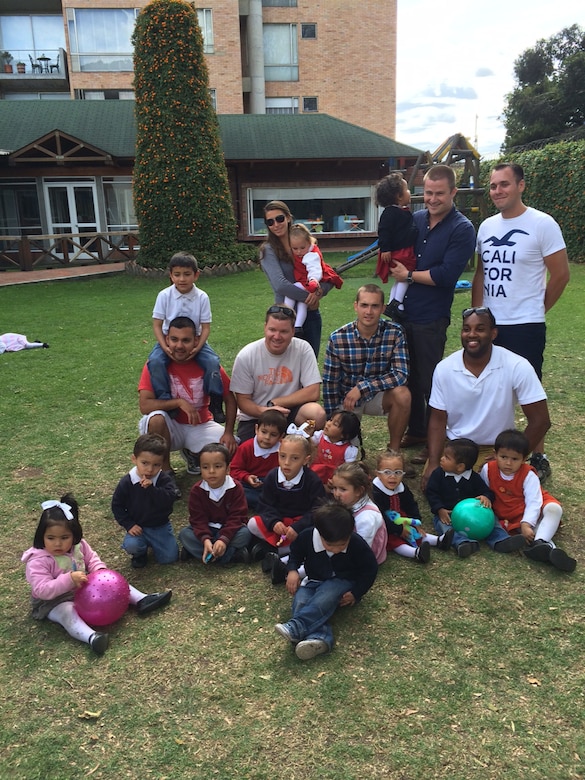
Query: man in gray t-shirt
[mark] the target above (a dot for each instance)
(279, 372)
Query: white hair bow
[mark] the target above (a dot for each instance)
(301, 430)
(66, 509)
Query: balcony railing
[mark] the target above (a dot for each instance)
(27, 253)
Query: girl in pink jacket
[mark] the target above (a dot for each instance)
(58, 563)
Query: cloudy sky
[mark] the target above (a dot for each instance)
(456, 60)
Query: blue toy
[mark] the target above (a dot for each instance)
(408, 522)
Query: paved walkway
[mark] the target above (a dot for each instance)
(8, 278)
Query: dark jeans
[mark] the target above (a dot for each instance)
(426, 344)
(206, 358)
(312, 330)
(526, 340)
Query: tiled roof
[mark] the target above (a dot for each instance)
(110, 126)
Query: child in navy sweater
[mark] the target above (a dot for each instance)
(340, 568)
(143, 501)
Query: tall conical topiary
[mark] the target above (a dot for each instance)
(181, 191)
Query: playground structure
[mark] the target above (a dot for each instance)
(457, 152)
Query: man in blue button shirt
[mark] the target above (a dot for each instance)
(445, 243)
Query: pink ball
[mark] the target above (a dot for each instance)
(103, 599)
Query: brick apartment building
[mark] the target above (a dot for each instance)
(335, 57)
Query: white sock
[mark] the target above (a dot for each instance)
(66, 615)
(432, 539)
(406, 551)
(549, 523)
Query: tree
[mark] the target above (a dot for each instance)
(550, 94)
(181, 190)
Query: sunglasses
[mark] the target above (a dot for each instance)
(391, 472)
(279, 220)
(286, 310)
(476, 310)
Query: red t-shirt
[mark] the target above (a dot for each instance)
(186, 381)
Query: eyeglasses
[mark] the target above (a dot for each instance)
(476, 310)
(279, 220)
(391, 472)
(286, 310)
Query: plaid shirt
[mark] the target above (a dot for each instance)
(372, 365)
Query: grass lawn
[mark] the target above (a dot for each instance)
(460, 669)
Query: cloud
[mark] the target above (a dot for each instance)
(415, 105)
(447, 91)
(481, 73)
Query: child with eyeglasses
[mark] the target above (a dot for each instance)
(309, 270)
(390, 494)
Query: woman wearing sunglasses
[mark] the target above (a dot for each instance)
(277, 263)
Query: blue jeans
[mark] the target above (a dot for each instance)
(252, 495)
(497, 535)
(161, 539)
(312, 330)
(192, 544)
(206, 358)
(313, 605)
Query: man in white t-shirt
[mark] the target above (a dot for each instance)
(279, 372)
(475, 392)
(522, 270)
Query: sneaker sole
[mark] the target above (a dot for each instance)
(561, 561)
(309, 648)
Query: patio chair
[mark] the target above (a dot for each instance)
(36, 66)
(56, 65)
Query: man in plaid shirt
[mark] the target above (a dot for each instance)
(366, 366)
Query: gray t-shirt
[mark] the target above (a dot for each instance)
(265, 376)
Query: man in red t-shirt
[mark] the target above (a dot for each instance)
(192, 425)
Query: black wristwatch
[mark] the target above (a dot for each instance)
(270, 403)
(409, 279)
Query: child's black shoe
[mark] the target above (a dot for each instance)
(445, 541)
(216, 408)
(99, 642)
(465, 549)
(423, 553)
(153, 601)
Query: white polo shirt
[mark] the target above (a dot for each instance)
(479, 408)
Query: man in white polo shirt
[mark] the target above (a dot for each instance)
(475, 392)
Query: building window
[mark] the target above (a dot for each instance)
(119, 203)
(19, 209)
(322, 209)
(279, 3)
(310, 104)
(281, 62)
(31, 36)
(100, 38)
(282, 105)
(205, 20)
(308, 31)
(213, 96)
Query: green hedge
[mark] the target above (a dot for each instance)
(555, 183)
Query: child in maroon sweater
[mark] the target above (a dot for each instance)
(217, 513)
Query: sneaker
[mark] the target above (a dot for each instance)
(284, 631)
(541, 465)
(309, 648)
(393, 311)
(259, 551)
(99, 642)
(539, 551)
(561, 561)
(511, 544)
(423, 553)
(216, 408)
(445, 541)
(465, 549)
(153, 601)
(192, 461)
(139, 561)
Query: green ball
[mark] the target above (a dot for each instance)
(471, 518)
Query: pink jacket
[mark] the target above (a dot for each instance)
(47, 574)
